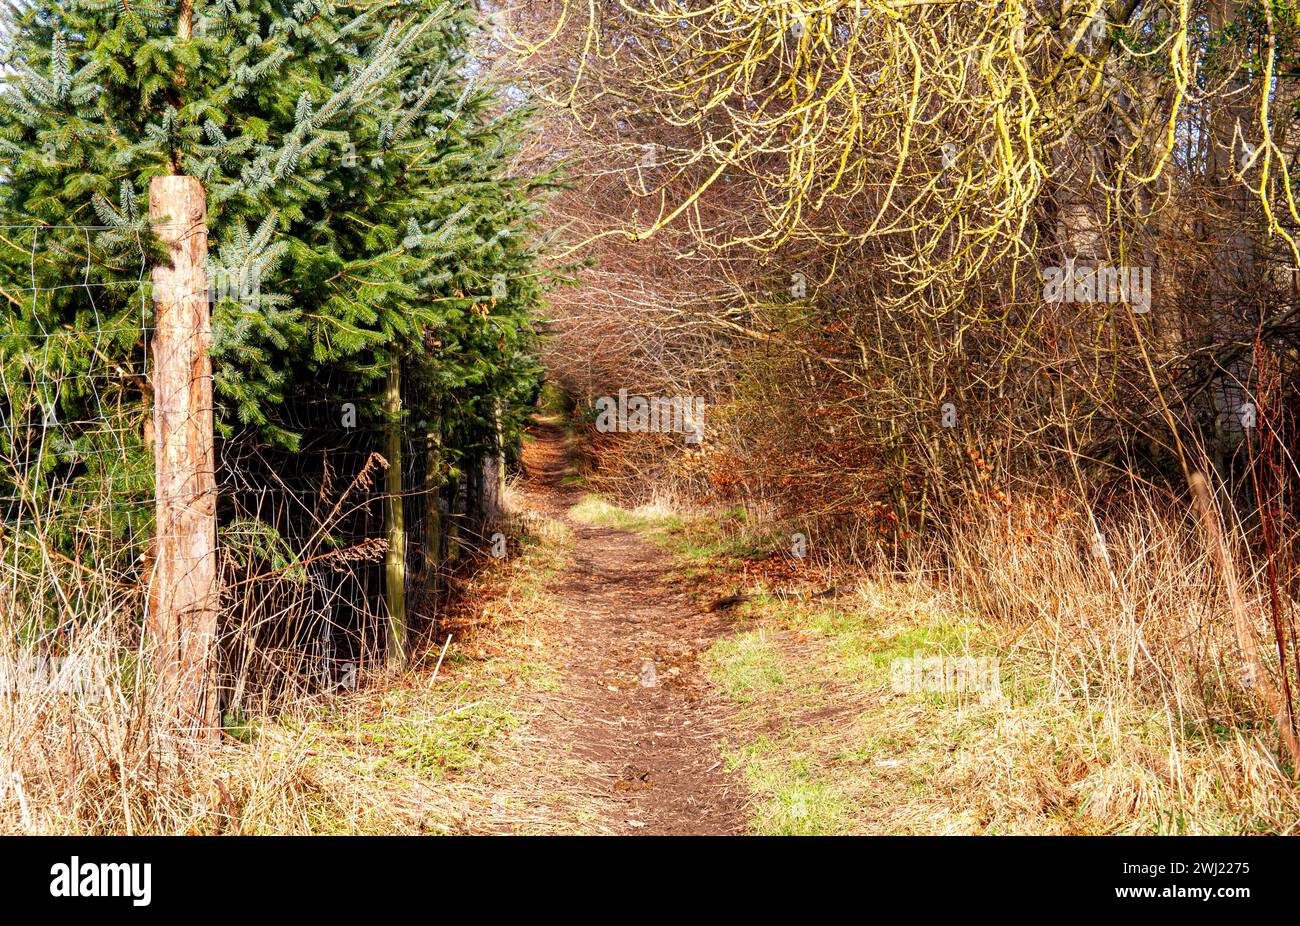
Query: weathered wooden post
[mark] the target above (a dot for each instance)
(432, 509)
(394, 526)
(494, 473)
(455, 516)
(183, 596)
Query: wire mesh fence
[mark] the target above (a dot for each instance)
(300, 540)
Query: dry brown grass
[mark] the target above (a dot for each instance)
(402, 754)
(1124, 704)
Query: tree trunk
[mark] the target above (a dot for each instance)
(183, 597)
(1234, 283)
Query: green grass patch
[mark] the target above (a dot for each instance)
(442, 744)
(595, 510)
(747, 666)
(699, 543)
(831, 747)
(793, 795)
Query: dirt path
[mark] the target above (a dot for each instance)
(647, 740)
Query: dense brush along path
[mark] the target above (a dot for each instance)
(633, 706)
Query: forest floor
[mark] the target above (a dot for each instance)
(632, 722)
(573, 698)
(592, 685)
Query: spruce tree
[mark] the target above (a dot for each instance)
(361, 209)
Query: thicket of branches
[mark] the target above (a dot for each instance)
(845, 215)
(843, 222)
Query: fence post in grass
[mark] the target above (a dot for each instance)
(455, 517)
(394, 527)
(494, 472)
(432, 512)
(183, 594)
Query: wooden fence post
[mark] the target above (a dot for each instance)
(432, 511)
(394, 525)
(494, 473)
(183, 596)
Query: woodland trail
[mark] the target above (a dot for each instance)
(646, 746)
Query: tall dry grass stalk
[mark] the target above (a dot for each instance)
(84, 748)
(1135, 635)
(1148, 625)
(1256, 673)
(80, 749)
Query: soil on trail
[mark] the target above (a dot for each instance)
(647, 739)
